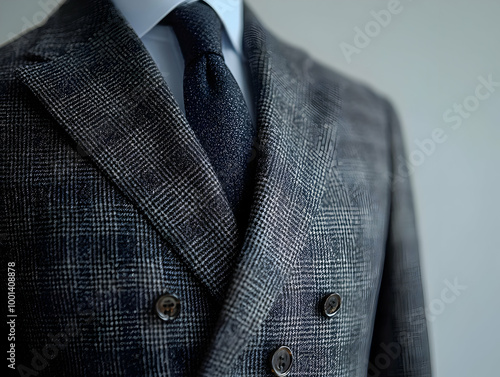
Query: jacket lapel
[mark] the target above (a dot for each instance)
(94, 76)
(297, 122)
(96, 79)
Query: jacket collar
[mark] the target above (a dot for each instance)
(97, 80)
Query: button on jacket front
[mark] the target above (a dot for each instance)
(281, 361)
(331, 304)
(168, 307)
(128, 258)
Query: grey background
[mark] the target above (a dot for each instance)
(426, 58)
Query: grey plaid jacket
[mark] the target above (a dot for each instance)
(108, 201)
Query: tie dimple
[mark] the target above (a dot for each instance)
(198, 29)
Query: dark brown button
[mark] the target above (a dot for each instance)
(331, 304)
(281, 361)
(168, 307)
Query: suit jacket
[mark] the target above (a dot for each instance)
(109, 201)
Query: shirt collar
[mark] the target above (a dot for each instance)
(145, 14)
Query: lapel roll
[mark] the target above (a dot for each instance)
(295, 154)
(108, 95)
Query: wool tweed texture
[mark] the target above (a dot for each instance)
(109, 200)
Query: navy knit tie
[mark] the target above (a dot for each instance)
(214, 104)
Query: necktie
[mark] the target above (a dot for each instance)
(214, 104)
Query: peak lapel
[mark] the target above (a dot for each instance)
(296, 152)
(100, 84)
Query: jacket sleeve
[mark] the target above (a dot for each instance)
(400, 344)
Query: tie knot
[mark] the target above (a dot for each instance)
(198, 29)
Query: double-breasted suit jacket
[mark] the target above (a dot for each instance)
(125, 250)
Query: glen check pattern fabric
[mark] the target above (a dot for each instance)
(214, 103)
(109, 201)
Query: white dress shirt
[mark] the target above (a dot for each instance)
(163, 46)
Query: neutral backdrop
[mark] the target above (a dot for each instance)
(428, 57)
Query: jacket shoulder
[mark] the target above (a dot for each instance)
(319, 74)
(352, 89)
(364, 115)
(16, 52)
